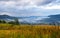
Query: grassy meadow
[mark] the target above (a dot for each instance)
(29, 31)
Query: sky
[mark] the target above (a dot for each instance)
(29, 7)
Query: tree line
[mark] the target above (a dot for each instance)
(16, 21)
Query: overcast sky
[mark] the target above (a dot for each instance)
(29, 7)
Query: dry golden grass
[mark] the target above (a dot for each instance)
(29, 31)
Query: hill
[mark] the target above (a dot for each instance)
(34, 19)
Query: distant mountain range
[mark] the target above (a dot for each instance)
(6, 17)
(33, 19)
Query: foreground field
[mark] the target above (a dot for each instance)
(29, 31)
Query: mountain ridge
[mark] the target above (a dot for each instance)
(34, 19)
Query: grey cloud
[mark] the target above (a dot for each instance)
(8, 0)
(11, 8)
(45, 2)
(57, 2)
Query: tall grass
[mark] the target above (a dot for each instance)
(28, 31)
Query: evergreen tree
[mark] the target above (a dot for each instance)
(3, 21)
(0, 21)
(16, 21)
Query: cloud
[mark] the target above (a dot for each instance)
(5, 13)
(28, 7)
(51, 7)
(29, 2)
(43, 2)
(8, 0)
(24, 4)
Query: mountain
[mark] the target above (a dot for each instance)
(28, 19)
(52, 19)
(31, 19)
(6, 17)
(34, 19)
